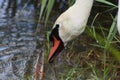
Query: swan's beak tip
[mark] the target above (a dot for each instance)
(50, 60)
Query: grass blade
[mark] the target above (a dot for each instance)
(106, 2)
(49, 9)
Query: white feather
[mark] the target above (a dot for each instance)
(118, 21)
(73, 21)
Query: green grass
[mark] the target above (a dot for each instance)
(104, 47)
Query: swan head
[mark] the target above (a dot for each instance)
(57, 43)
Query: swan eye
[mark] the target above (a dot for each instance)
(55, 33)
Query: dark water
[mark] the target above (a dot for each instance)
(18, 41)
(17, 38)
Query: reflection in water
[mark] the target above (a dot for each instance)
(17, 39)
(12, 4)
(2, 12)
(18, 43)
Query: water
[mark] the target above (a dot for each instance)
(17, 38)
(18, 41)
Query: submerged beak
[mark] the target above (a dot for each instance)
(56, 49)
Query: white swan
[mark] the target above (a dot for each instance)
(118, 19)
(69, 25)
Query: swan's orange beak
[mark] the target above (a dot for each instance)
(56, 49)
